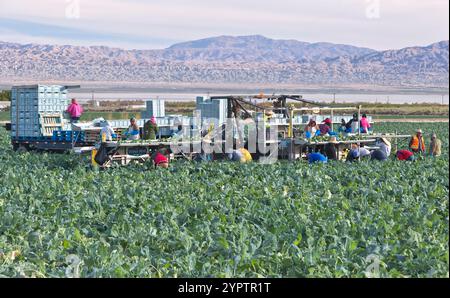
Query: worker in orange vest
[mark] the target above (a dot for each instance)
(417, 143)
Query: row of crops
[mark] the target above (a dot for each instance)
(60, 218)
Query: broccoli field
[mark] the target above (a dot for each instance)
(60, 218)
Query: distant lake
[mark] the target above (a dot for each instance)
(340, 98)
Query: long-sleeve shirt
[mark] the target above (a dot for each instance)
(150, 130)
(404, 154)
(75, 110)
(108, 132)
(159, 158)
(317, 157)
(435, 148)
(324, 129)
(385, 148)
(133, 133)
(365, 124)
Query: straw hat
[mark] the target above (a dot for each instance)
(333, 140)
(386, 141)
(269, 113)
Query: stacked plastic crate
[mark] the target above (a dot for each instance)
(155, 107)
(27, 102)
(212, 109)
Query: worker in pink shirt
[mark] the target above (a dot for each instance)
(75, 111)
(365, 125)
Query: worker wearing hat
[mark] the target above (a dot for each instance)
(385, 146)
(75, 110)
(150, 129)
(435, 146)
(383, 153)
(417, 143)
(107, 133)
(325, 127)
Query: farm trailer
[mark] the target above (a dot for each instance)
(294, 147)
(123, 153)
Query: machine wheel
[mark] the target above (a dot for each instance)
(22, 149)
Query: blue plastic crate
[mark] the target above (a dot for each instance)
(67, 136)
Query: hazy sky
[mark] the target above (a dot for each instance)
(378, 24)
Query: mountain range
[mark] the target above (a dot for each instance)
(229, 59)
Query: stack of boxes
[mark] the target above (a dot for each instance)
(212, 109)
(27, 102)
(155, 107)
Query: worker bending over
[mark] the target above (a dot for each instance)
(405, 155)
(241, 155)
(317, 157)
(107, 133)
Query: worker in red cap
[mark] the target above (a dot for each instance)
(160, 160)
(325, 127)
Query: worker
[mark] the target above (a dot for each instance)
(107, 133)
(132, 133)
(330, 149)
(365, 125)
(267, 116)
(317, 157)
(150, 129)
(384, 150)
(311, 129)
(75, 111)
(178, 132)
(405, 155)
(417, 143)
(357, 152)
(325, 127)
(241, 155)
(379, 155)
(159, 160)
(435, 146)
(342, 128)
(351, 126)
(385, 146)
